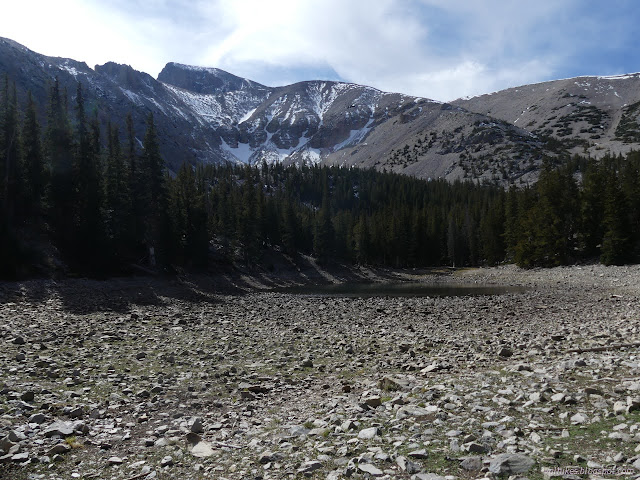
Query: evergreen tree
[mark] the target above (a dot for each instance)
(153, 195)
(616, 245)
(323, 229)
(33, 161)
(59, 148)
(89, 241)
(10, 154)
(118, 198)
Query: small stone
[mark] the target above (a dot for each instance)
(475, 447)
(265, 457)
(309, 467)
(247, 395)
(392, 384)
(38, 418)
(579, 419)
(419, 413)
(59, 449)
(429, 476)
(20, 457)
(307, 363)
(370, 469)
(166, 461)
(202, 450)
(511, 463)
(505, 352)
(368, 433)
(114, 461)
(195, 425)
(373, 401)
(60, 429)
(27, 396)
(472, 464)
(420, 454)
(619, 408)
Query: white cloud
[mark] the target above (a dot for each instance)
(441, 49)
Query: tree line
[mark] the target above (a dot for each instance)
(102, 202)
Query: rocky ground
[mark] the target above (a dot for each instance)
(149, 378)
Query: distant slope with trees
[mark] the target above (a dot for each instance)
(97, 202)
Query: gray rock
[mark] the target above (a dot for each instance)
(166, 461)
(416, 412)
(38, 418)
(59, 449)
(6, 444)
(511, 463)
(60, 429)
(20, 457)
(475, 447)
(298, 431)
(422, 453)
(309, 467)
(195, 425)
(505, 352)
(368, 433)
(619, 408)
(265, 457)
(202, 449)
(370, 469)
(473, 463)
(393, 383)
(114, 461)
(373, 401)
(429, 476)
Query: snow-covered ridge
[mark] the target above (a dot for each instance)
(218, 109)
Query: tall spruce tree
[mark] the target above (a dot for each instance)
(616, 244)
(118, 201)
(33, 161)
(89, 241)
(153, 195)
(59, 148)
(10, 154)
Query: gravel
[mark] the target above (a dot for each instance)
(154, 378)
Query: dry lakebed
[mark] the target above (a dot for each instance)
(145, 378)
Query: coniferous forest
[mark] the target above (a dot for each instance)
(98, 201)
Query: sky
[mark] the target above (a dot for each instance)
(438, 49)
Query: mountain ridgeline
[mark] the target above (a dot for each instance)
(107, 170)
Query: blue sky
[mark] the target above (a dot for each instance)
(440, 49)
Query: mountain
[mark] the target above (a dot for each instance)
(211, 116)
(591, 115)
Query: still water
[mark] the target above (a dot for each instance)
(400, 290)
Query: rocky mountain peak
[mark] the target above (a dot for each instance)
(204, 80)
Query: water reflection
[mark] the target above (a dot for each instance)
(400, 290)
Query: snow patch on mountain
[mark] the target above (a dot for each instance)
(241, 153)
(355, 136)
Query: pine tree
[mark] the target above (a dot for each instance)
(59, 148)
(118, 198)
(10, 154)
(153, 194)
(592, 209)
(616, 245)
(33, 161)
(90, 243)
(323, 229)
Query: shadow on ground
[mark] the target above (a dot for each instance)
(82, 295)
